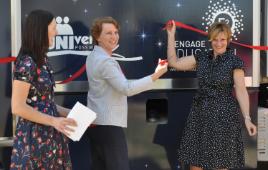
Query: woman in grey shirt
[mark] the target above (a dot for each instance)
(107, 96)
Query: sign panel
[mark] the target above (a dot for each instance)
(142, 40)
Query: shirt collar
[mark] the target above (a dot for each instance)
(221, 57)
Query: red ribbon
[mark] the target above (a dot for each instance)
(162, 62)
(179, 24)
(7, 60)
(74, 76)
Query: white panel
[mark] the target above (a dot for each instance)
(256, 41)
(262, 146)
(15, 27)
(266, 32)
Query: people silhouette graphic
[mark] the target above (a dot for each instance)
(64, 28)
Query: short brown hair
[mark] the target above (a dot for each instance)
(96, 27)
(217, 28)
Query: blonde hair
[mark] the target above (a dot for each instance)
(217, 28)
(96, 27)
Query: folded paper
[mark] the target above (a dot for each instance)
(83, 117)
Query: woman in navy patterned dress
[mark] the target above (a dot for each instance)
(40, 141)
(212, 137)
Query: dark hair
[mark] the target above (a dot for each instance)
(35, 36)
(96, 27)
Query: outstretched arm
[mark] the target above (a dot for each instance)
(110, 72)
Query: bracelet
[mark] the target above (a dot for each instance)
(247, 118)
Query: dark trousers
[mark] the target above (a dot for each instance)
(108, 148)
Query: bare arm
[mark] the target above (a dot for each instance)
(20, 108)
(183, 63)
(243, 99)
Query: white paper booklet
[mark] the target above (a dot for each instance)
(83, 117)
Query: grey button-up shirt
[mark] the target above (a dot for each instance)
(108, 88)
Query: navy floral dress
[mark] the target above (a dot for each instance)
(212, 136)
(38, 146)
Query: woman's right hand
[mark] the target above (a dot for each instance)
(251, 128)
(171, 27)
(64, 125)
(160, 69)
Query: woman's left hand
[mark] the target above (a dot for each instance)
(160, 69)
(251, 128)
(171, 28)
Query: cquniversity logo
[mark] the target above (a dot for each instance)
(224, 11)
(68, 43)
